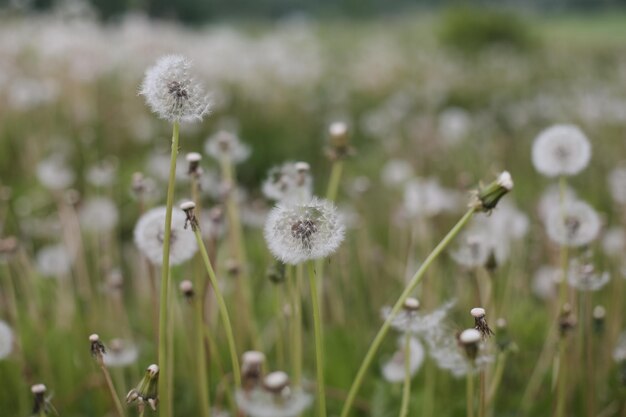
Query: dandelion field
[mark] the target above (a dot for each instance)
(347, 150)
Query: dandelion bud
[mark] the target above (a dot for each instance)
(599, 317)
(339, 141)
(97, 347)
(252, 369)
(469, 339)
(480, 323)
(146, 390)
(276, 272)
(186, 287)
(276, 382)
(486, 198)
(567, 320)
(138, 184)
(194, 169)
(41, 404)
(188, 207)
(411, 304)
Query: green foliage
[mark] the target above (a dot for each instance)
(471, 29)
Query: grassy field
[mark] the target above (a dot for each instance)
(74, 131)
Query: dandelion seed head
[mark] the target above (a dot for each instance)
(477, 312)
(98, 215)
(54, 261)
(577, 224)
(425, 197)
(551, 198)
(224, 144)
(583, 276)
(394, 369)
(561, 150)
(470, 336)
(54, 173)
(617, 184)
(150, 232)
(473, 251)
(396, 172)
(289, 183)
(614, 242)
(121, 353)
(300, 232)
(172, 93)
(545, 282)
(415, 322)
(6, 340)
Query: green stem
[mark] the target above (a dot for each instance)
(200, 365)
(562, 382)
(470, 394)
(116, 400)
(369, 357)
(333, 182)
(406, 389)
(297, 321)
(221, 304)
(497, 378)
(482, 394)
(165, 269)
(319, 343)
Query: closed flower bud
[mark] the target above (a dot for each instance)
(147, 389)
(487, 198)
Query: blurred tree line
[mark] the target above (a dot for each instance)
(198, 11)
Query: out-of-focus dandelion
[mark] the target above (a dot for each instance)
(186, 289)
(275, 399)
(425, 197)
(54, 173)
(453, 125)
(394, 369)
(41, 404)
(98, 351)
(409, 319)
(102, 174)
(561, 150)
(576, 224)
(252, 369)
(584, 277)
(98, 214)
(289, 183)
(172, 93)
(227, 145)
(617, 184)
(614, 242)
(6, 340)
(396, 172)
(552, 197)
(301, 232)
(149, 236)
(473, 250)
(545, 282)
(54, 261)
(121, 353)
(480, 322)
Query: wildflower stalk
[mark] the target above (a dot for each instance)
(382, 332)
(333, 182)
(319, 342)
(164, 389)
(221, 304)
(116, 399)
(200, 365)
(470, 394)
(482, 405)
(497, 378)
(297, 322)
(406, 388)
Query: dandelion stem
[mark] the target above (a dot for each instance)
(165, 274)
(406, 389)
(116, 399)
(382, 332)
(200, 365)
(470, 394)
(319, 342)
(497, 378)
(221, 304)
(333, 182)
(297, 321)
(482, 395)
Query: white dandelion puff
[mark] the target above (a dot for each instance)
(98, 214)
(444, 348)
(6, 340)
(54, 173)
(149, 234)
(614, 242)
(619, 353)
(561, 150)
(425, 197)
(102, 174)
(172, 93)
(225, 144)
(584, 277)
(289, 183)
(415, 322)
(617, 184)
(545, 282)
(396, 172)
(301, 232)
(473, 251)
(54, 261)
(120, 353)
(576, 224)
(551, 198)
(394, 369)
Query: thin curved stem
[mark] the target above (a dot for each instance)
(470, 394)
(406, 388)
(165, 269)
(221, 304)
(382, 332)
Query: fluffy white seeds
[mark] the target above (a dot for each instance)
(121, 353)
(289, 183)
(584, 277)
(617, 184)
(297, 233)
(224, 144)
(561, 150)
(98, 215)
(6, 340)
(470, 336)
(172, 93)
(577, 224)
(425, 197)
(150, 231)
(394, 369)
(477, 312)
(54, 261)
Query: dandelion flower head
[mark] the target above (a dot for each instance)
(290, 182)
(584, 277)
(172, 93)
(300, 232)
(561, 150)
(577, 224)
(150, 231)
(224, 144)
